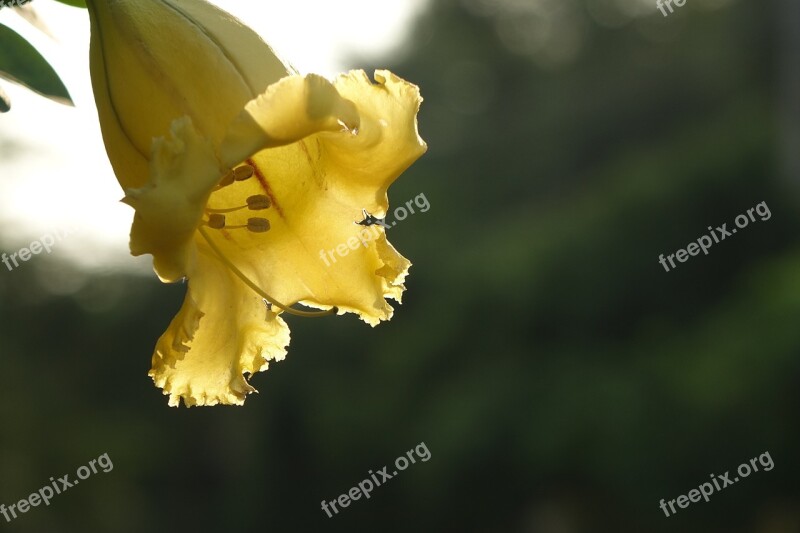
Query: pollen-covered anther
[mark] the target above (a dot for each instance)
(238, 174)
(243, 172)
(258, 202)
(215, 221)
(255, 225)
(226, 180)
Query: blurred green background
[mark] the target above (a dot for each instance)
(561, 379)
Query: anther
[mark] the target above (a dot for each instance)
(226, 180)
(257, 225)
(258, 202)
(216, 221)
(243, 172)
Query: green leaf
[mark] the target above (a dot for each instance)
(20, 62)
(74, 3)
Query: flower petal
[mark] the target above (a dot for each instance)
(388, 140)
(222, 331)
(315, 253)
(183, 170)
(291, 109)
(256, 61)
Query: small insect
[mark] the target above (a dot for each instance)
(370, 220)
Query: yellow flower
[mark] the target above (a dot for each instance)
(240, 171)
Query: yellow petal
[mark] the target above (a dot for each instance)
(294, 108)
(253, 59)
(315, 253)
(388, 140)
(183, 170)
(222, 331)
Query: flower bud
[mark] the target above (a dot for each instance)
(154, 61)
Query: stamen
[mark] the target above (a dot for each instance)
(258, 202)
(238, 174)
(255, 287)
(216, 221)
(256, 225)
(243, 172)
(226, 180)
(227, 210)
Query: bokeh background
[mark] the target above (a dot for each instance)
(561, 379)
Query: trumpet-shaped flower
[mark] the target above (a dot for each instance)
(239, 171)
